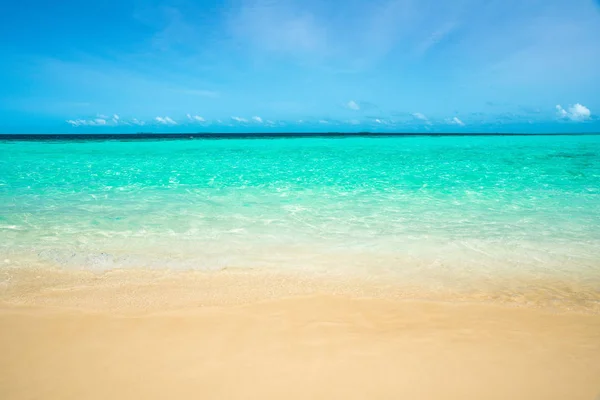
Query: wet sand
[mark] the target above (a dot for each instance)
(239, 336)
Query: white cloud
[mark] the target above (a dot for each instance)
(239, 119)
(257, 119)
(322, 121)
(87, 122)
(165, 121)
(382, 121)
(100, 120)
(363, 34)
(578, 112)
(281, 27)
(457, 121)
(196, 118)
(135, 121)
(561, 112)
(422, 117)
(353, 105)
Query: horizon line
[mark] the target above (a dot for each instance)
(257, 135)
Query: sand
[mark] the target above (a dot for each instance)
(257, 336)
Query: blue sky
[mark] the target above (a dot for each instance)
(300, 65)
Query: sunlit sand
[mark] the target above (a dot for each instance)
(128, 335)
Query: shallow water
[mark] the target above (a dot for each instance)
(446, 211)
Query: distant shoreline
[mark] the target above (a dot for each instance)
(255, 135)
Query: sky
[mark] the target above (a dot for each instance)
(300, 65)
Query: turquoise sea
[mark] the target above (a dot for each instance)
(441, 212)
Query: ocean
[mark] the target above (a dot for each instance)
(442, 213)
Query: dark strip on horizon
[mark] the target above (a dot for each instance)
(173, 136)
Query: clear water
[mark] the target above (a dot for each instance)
(430, 208)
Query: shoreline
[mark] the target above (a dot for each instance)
(132, 291)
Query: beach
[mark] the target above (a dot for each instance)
(239, 335)
(300, 200)
(421, 267)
